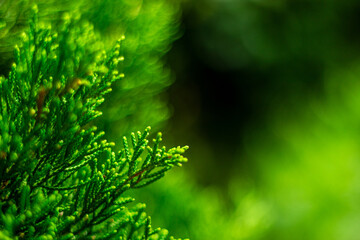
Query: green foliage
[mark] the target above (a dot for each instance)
(14, 16)
(149, 26)
(59, 178)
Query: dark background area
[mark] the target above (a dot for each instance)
(238, 61)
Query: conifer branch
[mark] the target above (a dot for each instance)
(59, 179)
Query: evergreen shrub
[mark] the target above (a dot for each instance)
(59, 177)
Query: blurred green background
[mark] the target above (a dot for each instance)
(265, 92)
(267, 95)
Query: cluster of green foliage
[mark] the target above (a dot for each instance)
(149, 26)
(59, 178)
